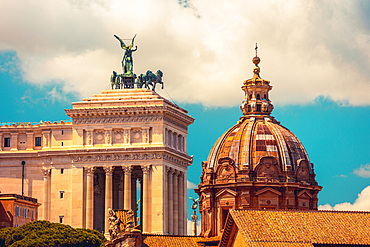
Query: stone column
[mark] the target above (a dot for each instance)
(90, 197)
(127, 189)
(185, 199)
(170, 201)
(175, 203)
(181, 203)
(46, 198)
(146, 202)
(108, 194)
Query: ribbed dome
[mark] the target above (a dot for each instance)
(247, 142)
(257, 163)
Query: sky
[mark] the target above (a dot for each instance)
(315, 53)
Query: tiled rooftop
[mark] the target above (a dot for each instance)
(169, 241)
(268, 228)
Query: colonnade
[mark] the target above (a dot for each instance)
(176, 201)
(128, 194)
(109, 180)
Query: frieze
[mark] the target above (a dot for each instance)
(102, 120)
(115, 157)
(128, 156)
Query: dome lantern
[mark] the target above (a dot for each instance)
(256, 102)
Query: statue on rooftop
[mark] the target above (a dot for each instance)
(127, 61)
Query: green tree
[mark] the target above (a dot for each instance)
(45, 233)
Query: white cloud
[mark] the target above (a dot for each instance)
(362, 203)
(363, 171)
(190, 227)
(307, 48)
(191, 185)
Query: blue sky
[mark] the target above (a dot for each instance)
(315, 53)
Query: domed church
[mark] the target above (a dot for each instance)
(256, 164)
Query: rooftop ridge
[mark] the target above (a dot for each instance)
(301, 210)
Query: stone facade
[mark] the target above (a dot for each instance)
(17, 210)
(257, 164)
(121, 145)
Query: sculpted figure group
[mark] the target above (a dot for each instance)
(127, 79)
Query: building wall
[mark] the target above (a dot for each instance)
(152, 134)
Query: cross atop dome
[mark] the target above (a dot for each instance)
(256, 89)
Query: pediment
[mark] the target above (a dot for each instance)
(226, 191)
(304, 193)
(267, 190)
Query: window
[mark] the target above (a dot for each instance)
(258, 107)
(6, 142)
(250, 96)
(32, 215)
(258, 96)
(61, 217)
(16, 225)
(62, 132)
(61, 171)
(38, 141)
(61, 194)
(62, 143)
(264, 96)
(17, 211)
(25, 212)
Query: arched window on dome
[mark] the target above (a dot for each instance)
(258, 107)
(250, 96)
(258, 96)
(264, 96)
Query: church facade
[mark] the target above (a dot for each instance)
(123, 149)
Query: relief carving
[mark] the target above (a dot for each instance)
(226, 169)
(268, 170)
(303, 171)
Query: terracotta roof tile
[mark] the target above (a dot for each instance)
(318, 227)
(169, 241)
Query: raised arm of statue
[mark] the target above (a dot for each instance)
(123, 45)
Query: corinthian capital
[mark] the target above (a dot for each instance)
(109, 170)
(45, 171)
(90, 170)
(146, 169)
(127, 169)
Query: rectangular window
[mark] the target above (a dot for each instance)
(61, 193)
(32, 215)
(61, 219)
(17, 211)
(62, 143)
(25, 212)
(258, 107)
(38, 141)
(62, 132)
(61, 171)
(6, 142)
